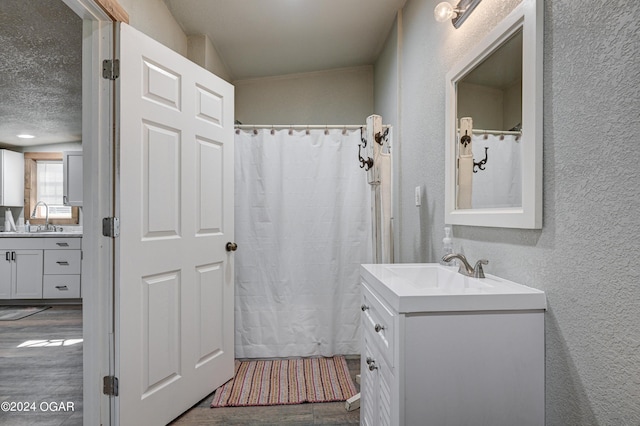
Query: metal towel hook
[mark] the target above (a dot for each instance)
(368, 163)
(481, 164)
(465, 139)
(382, 138)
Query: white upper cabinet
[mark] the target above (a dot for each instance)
(11, 178)
(72, 166)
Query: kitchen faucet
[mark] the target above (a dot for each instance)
(46, 208)
(465, 268)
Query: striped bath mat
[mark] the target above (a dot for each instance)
(286, 381)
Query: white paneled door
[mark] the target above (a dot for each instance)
(174, 295)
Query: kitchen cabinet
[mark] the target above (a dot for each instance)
(62, 267)
(37, 268)
(11, 178)
(433, 354)
(72, 169)
(21, 274)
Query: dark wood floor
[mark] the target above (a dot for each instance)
(54, 374)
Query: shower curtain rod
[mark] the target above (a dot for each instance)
(302, 126)
(496, 132)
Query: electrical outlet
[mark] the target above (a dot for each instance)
(418, 196)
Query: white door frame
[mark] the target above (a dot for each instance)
(97, 265)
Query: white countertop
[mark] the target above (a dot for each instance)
(65, 234)
(430, 287)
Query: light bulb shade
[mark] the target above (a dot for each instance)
(444, 12)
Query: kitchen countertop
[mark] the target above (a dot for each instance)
(65, 234)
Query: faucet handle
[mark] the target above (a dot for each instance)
(478, 272)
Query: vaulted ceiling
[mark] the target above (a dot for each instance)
(275, 37)
(41, 42)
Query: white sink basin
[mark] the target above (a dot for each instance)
(430, 287)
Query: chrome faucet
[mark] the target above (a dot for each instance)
(46, 208)
(465, 268)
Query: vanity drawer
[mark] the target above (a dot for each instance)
(379, 321)
(62, 243)
(61, 287)
(62, 262)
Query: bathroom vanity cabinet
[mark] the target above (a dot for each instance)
(440, 363)
(40, 268)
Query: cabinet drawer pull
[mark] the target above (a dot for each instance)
(62, 287)
(13, 255)
(378, 327)
(7, 256)
(364, 307)
(62, 244)
(62, 263)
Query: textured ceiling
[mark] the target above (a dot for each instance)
(41, 69)
(258, 38)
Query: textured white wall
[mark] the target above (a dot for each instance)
(153, 18)
(201, 51)
(341, 96)
(387, 105)
(585, 257)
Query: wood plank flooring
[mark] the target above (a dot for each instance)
(54, 374)
(326, 413)
(42, 375)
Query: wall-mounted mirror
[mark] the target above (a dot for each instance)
(494, 127)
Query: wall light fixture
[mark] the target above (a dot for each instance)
(445, 11)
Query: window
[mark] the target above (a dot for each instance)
(44, 181)
(49, 187)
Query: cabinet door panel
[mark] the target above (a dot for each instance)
(28, 274)
(368, 385)
(385, 381)
(72, 188)
(11, 178)
(5, 274)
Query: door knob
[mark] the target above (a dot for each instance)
(232, 246)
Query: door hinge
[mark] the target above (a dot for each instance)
(110, 385)
(111, 69)
(111, 227)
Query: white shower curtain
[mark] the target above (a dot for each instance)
(302, 225)
(500, 184)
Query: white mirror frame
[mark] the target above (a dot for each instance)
(528, 15)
